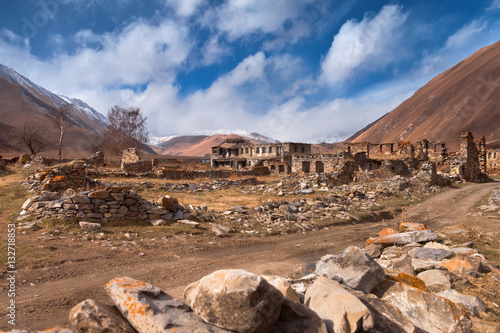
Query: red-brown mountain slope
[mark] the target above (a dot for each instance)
(466, 97)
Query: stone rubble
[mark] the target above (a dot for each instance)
(348, 292)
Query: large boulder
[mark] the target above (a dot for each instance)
(149, 309)
(405, 238)
(298, 318)
(235, 300)
(91, 316)
(428, 312)
(341, 311)
(386, 317)
(471, 303)
(354, 268)
(282, 285)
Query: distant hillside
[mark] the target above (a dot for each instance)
(199, 145)
(466, 97)
(23, 101)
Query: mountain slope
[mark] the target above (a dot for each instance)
(22, 102)
(463, 98)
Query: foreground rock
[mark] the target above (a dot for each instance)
(93, 317)
(150, 310)
(341, 311)
(298, 318)
(90, 227)
(386, 318)
(354, 267)
(405, 238)
(473, 304)
(428, 312)
(235, 300)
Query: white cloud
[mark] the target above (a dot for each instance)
(239, 18)
(358, 43)
(464, 35)
(495, 5)
(184, 7)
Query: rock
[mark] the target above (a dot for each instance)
(386, 318)
(283, 286)
(189, 222)
(405, 238)
(341, 311)
(408, 226)
(128, 236)
(471, 303)
(28, 203)
(354, 268)
(192, 187)
(428, 312)
(403, 265)
(482, 326)
(464, 251)
(464, 265)
(426, 253)
(456, 230)
(220, 229)
(423, 265)
(99, 195)
(406, 279)
(179, 215)
(158, 222)
(93, 317)
(236, 300)
(89, 226)
(238, 209)
(306, 191)
(434, 245)
(374, 250)
(436, 279)
(80, 199)
(169, 203)
(387, 231)
(149, 309)
(298, 318)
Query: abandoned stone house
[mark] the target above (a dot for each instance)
(493, 159)
(399, 158)
(239, 153)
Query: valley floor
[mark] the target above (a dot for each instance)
(64, 273)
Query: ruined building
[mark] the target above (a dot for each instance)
(240, 153)
(399, 158)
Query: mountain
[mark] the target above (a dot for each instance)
(22, 102)
(463, 98)
(200, 145)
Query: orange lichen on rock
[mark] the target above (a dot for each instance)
(408, 226)
(387, 232)
(406, 279)
(59, 179)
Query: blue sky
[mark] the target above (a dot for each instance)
(301, 70)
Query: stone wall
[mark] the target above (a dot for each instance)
(102, 206)
(61, 176)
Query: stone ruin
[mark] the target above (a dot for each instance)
(132, 161)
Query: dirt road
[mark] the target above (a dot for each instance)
(46, 293)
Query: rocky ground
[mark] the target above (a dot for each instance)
(50, 284)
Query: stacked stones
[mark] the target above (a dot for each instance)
(101, 206)
(348, 293)
(60, 177)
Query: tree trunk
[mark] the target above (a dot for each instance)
(61, 135)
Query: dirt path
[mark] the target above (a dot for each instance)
(81, 271)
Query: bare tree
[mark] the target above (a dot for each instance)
(63, 124)
(33, 137)
(126, 128)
